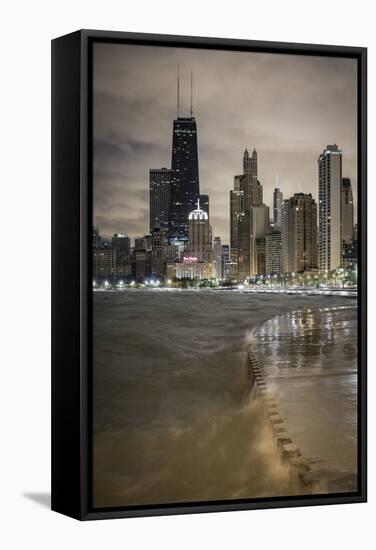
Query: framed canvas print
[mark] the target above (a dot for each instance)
(208, 274)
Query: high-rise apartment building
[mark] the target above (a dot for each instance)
(259, 256)
(236, 211)
(330, 180)
(225, 262)
(273, 252)
(217, 257)
(347, 212)
(121, 243)
(139, 243)
(141, 270)
(159, 198)
(158, 252)
(259, 226)
(299, 233)
(104, 263)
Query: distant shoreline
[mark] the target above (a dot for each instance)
(346, 292)
(343, 292)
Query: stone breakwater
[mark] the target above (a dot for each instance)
(285, 448)
(303, 367)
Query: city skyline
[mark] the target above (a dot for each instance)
(127, 144)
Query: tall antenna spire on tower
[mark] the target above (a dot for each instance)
(191, 94)
(178, 93)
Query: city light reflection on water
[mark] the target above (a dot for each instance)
(309, 359)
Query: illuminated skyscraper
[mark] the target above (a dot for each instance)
(277, 203)
(121, 244)
(159, 198)
(158, 252)
(330, 180)
(247, 193)
(104, 263)
(249, 183)
(185, 187)
(273, 252)
(347, 211)
(199, 245)
(236, 211)
(225, 262)
(217, 257)
(299, 233)
(259, 226)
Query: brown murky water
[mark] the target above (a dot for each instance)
(173, 416)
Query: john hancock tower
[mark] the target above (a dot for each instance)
(185, 186)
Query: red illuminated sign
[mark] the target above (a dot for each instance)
(190, 259)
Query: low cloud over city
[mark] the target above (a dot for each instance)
(288, 107)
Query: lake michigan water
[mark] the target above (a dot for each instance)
(174, 420)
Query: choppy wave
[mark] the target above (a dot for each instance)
(173, 420)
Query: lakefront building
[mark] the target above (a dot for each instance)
(225, 262)
(104, 263)
(259, 226)
(189, 268)
(199, 244)
(121, 244)
(141, 265)
(330, 182)
(157, 260)
(197, 260)
(299, 233)
(273, 252)
(347, 212)
(159, 198)
(217, 258)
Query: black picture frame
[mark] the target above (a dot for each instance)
(71, 272)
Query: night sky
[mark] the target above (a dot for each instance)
(288, 107)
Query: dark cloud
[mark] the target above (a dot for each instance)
(287, 107)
